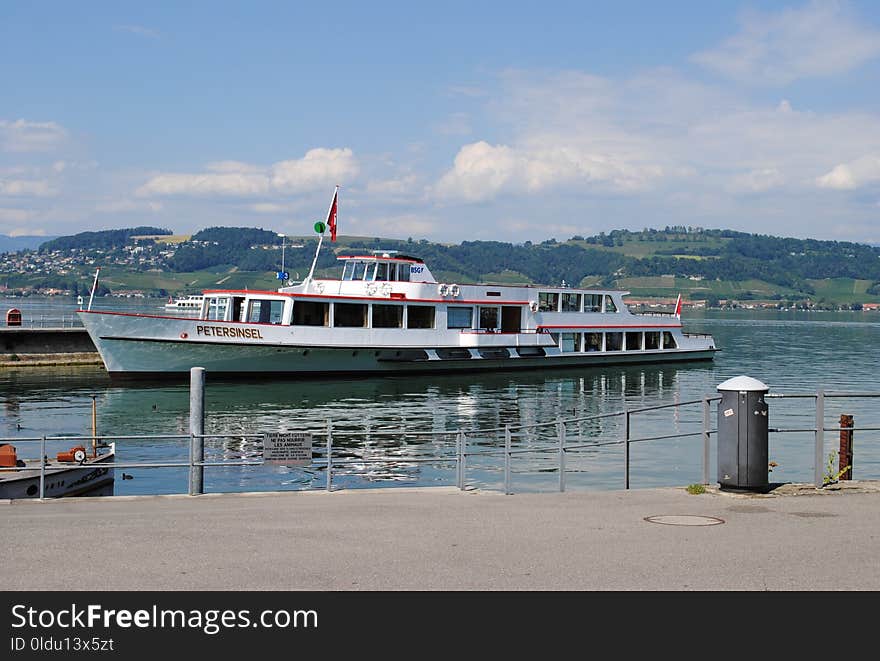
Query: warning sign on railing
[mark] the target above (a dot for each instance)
(287, 448)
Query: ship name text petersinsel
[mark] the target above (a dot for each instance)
(224, 331)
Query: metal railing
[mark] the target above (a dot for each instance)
(555, 438)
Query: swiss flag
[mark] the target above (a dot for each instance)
(331, 216)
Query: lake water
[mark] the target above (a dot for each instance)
(792, 352)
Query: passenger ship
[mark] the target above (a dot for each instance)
(388, 315)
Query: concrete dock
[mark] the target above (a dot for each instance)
(796, 537)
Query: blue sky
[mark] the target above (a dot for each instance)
(458, 121)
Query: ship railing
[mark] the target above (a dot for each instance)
(563, 439)
(50, 321)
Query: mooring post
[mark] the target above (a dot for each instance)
(196, 430)
(845, 457)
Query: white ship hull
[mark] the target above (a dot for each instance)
(399, 324)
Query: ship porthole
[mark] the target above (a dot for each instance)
(354, 353)
(32, 490)
(305, 352)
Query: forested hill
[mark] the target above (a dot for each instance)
(101, 240)
(762, 265)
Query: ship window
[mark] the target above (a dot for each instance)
(347, 271)
(613, 341)
(387, 316)
(592, 341)
(571, 302)
(593, 303)
(633, 341)
(668, 340)
(459, 317)
(358, 271)
(238, 310)
(217, 308)
(420, 316)
(489, 318)
(548, 302)
(350, 315)
(265, 311)
(609, 304)
(652, 340)
(370, 273)
(382, 271)
(403, 272)
(570, 342)
(307, 313)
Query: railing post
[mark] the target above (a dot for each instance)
(42, 468)
(462, 459)
(560, 433)
(820, 438)
(626, 448)
(706, 420)
(196, 430)
(507, 459)
(329, 455)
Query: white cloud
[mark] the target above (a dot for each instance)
(25, 136)
(852, 175)
(481, 171)
(26, 188)
(819, 39)
(237, 167)
(318, 168)
(206, 185)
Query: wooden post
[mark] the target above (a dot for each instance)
(845, 458)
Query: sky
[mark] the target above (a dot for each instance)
(451, 121)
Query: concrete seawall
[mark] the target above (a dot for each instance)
(46, 346)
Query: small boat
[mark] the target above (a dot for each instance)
(386, 314)
(190, 304)
(73, 473)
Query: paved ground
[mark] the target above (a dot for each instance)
(796, 538)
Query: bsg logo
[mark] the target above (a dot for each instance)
(416, 269)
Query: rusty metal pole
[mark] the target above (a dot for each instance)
(845, 458)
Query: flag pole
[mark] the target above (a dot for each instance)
(94, 286)
(315, 260)
(321, 238)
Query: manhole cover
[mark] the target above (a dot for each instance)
(684, 520)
